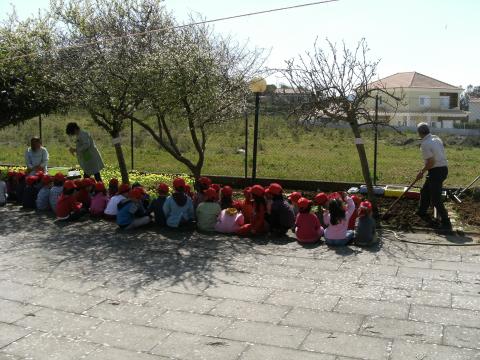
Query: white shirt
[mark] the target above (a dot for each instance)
(112, 206)
(432, 147)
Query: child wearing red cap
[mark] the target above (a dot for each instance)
(340, 210)
(111, 210)
(307, 226)
(3, 191)
(365, 229)
(202, 184)
(130, 213)
(246, 205)
(178, 207)
(226, 199)
(353, 219)
(156, 206)
(257, 225)
(321, 201)
(56, 190)
(230, 221)
(99, 200)
(43, 202)
(293, 199)
(112, 187)
(208, 211)
(68, 208)
(84, 194)
(20, 186)
(145, 200)
(30, 193)
(280, 216)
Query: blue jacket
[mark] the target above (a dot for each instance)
(126, 212)
(43, 199)
(178, 208)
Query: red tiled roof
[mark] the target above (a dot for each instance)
(412, 80)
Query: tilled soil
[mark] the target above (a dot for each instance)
(469, 211)
(402, 216)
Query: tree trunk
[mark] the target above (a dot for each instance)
(121, 159)
(364, 164)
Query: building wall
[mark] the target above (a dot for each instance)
(474, 109)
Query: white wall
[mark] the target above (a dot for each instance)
(474, 109)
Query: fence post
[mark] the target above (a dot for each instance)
(131, 144)
(246, 145)
(375, 150)
(255, 137)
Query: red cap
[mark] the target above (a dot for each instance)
(88, 182)
(40, 175)
(59, 177)
(210, 193)
(366, 204)
(162, 188)
(275, 189)
(227, 191)
(258, 190)
(123, 188)
(320, 199)
(303, 203)
(11, 173)
(20, 175)
(247, 191)
(113, 182)
(295, 196)
(100, 186)
(31, 180)
(69, 185)
(237, 205)
(136, 193)
(334, 196)
(78, 183)
(356, 200)
(216, 187)
(179, 183)
(205, 181)
(47, 179)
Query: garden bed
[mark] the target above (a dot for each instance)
(469, 211)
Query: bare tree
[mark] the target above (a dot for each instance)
(101, 62)
(192, 82)
(341, 84)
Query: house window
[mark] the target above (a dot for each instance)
(444, 102)
(424, 101)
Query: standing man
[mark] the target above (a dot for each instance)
(87, 153)
(433, 153)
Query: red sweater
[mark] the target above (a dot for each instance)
(307, 227)
(67, 204)
(83, 196)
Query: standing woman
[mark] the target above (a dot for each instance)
(36, 157)
(87, 153)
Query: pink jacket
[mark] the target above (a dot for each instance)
(339, 231)
(229, 224)
(98, 204)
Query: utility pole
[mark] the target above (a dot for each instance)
(375, 150)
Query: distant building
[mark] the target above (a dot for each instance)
(474, 109)
(424, 99)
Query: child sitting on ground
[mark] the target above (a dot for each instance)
(3, 191)
(112, 207)
(208, 211)
(229, 221)
(201, 185)
(293, 199)
(321, 201)
(257, 225)
(156, 206)
(145, 200)
(20, 186)
(99, 200)
(308, 229)
(246, 205)
(11, 182)
(365, 229)
(30, 193)
(337, 218)
(56, 190)
(112, 188)
(178, 207)
(353, 219)
(226, 199)
(43, 197)
(130, 214)
(280, 216)
(68, 208)
(84, 194)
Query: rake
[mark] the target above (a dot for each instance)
(384, 217)
(456, 195)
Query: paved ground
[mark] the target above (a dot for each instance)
(88, 291)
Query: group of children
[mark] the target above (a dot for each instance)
(337, 217)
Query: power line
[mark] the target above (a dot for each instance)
(78, 46)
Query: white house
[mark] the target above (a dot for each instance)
(474, 109)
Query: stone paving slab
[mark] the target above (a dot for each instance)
(101, 294)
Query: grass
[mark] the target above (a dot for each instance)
(285, 151)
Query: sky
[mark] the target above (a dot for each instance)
(437, 38)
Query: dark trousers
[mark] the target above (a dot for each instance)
(431, 193)
(97, 176)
